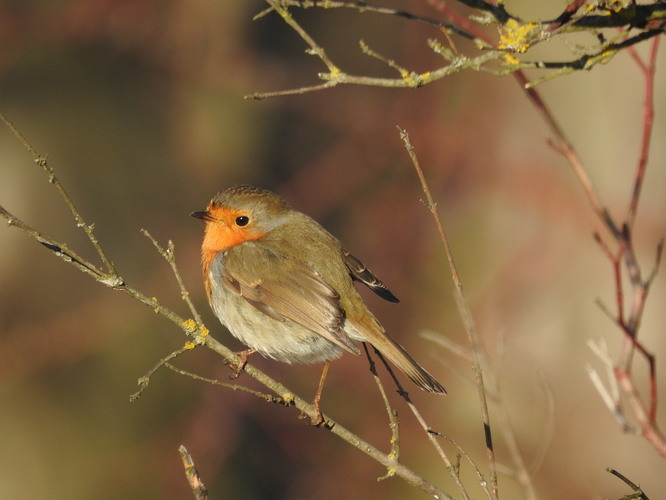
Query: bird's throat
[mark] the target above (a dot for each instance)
(219, 237)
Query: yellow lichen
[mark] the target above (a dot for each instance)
(513, 36)
(203, 333)
(616, 5)
(335, 73)
(288, 397)
(511, 59)
(189, 325)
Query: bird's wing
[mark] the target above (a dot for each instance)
(286, 288)
(361, 273)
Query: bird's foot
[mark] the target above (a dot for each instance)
(237, 368)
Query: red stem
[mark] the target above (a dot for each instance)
(648, 122)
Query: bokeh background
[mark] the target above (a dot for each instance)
(139, 106)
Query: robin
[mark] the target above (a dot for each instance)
(283, 286)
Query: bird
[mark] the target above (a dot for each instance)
(284, 286)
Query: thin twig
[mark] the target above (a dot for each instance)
(453, 470)
(199, 334)
(228, 355)
(648, 70)
(649, 429)
(447, 344)
(145, 380)
(315, 49)
(286, 400)
(549, 432)
(522, 474)
(42, 162)
(521, 35)
(567, 14)
(363, 7)
(299, 91)
(562, 145)
(609, 401)
(472, 334)
(461, 453)
(169, 254)
(192, 474)
(600, 349)
(638, 492)
(394, 423)
(62, 251)
(627, 320)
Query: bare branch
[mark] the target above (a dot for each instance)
(394, 423)
(638, 492)
(169, 255)
(199, 335)
(648, 70)
(193, 478)
(472, 334)
(452, 469)
(88, 229)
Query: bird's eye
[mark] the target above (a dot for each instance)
(242, 220)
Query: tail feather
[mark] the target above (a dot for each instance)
(397, 355)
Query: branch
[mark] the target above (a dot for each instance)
(394, 423)
(452, 469)
(192, 474)
(363, 7)
(516, 37)
(463, 307)
(194, 328)
(648, 70)
(638, 493)
(88, 229)
(624, 260)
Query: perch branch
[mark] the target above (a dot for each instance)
(194, 329)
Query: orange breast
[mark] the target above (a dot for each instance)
(222, 233)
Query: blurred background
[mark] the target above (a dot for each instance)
(139, 106)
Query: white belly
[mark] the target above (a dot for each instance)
(280, 340)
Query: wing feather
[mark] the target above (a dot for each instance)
(291, 290)
(361, 273)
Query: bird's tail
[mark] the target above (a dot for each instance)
(395, 353)
(366, 328)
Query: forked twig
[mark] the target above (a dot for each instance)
(169, 254)
(88, 229)
(623, 259)
(145, 380)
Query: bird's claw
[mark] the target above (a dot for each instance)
(237, 368)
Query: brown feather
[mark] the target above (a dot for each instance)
(361, 273)
(288, 268)
(297, 292)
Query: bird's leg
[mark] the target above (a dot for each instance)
(318, 419)
(240, 366)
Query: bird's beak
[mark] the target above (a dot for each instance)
(205, 215)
